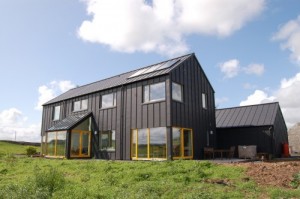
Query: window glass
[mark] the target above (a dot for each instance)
(51, 143)
(176, 138)
(84, 104)
(187, 142)
(176, 92)
(204, 100)
(108, 100)
(85, 125)
(56, 113)
(154, 92)
(108, 140)
(133, 143)
(158, 142)
(146, 93)
(77, 106)
(60, 143)
(142, 143)
(157, 91)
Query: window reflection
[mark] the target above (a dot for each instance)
(176, 92)
(154, 92)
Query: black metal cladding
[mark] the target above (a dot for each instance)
(131, 112)
(262, 125)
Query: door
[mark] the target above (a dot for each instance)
(80, 143)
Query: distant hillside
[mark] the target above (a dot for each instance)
(294, 138)
(11, 147)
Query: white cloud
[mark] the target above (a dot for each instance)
(221, 100)
(249, 86)
(48, 92)
(256, 69)
(289, 33)
(134, 25)
(288, 95)
(13, 125)
(230, 68)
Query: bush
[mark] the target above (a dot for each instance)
(30, 150)
(296, 181)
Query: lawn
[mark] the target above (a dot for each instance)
(51, 178)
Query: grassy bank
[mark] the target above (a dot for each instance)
(50, 178)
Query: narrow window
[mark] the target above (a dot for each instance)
(182, 143)
(154, 92)
(176, 92)
(56, 113)
(108, 100)
(80, 105)
(204, 99)
(108, 140)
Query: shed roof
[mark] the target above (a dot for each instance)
(157, 69)
(69, 122)
(243, 116)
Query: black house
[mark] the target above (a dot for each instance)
(262, 125)
(162, 111)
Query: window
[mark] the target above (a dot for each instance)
(108, 140)
(80, 105)
(56, 143)
(204, 99)
(182, 143)
(56, 113)
(150, 143)
(109, 100)
(176, 92)
(154, 92)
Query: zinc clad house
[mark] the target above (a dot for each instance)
(262, 125)
(162, 111)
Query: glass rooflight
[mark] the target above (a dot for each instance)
(168, 64)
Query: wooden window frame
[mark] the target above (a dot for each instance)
(80, 144)
(80, 106)
(182, 144)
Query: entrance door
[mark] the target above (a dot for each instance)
(80, 143)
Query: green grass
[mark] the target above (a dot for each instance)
(52, 178)
(10, 148)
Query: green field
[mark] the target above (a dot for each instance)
(51, 178)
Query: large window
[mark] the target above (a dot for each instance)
(176, 92)
(56, 143)
(109, 100)
(108, 140)
(80, 143)
(56, 112)
(149, 143)
(154, 92)
(182, 143)
(80, 105)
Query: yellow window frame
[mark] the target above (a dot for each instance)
(55, 147)
(182, 144)
(148, 146)
(80, 143)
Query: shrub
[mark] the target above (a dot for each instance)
(30, 150)
(295, 183)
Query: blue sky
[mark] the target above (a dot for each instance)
(249, 51)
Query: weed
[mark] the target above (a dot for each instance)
(295, 183)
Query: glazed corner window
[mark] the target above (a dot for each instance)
(80, 105)
(56, 112)
(154, 92)
(176, 92)
(204, 100)
(108, 140)
(109, 100)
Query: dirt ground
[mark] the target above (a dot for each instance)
(279, 174)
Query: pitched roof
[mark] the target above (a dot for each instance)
(243, 116)
(69, 122)
(147, 72)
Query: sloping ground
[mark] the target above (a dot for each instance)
(278, 174)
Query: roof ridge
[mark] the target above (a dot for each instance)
(247, 106)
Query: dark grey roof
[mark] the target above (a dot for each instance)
(69, 122)
(118, 80)
(243, 116)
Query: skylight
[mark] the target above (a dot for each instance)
(156, 67)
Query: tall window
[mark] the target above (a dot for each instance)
(176, 92)
(182, 140)
(56, 113)
(56, 143)
(154, 92)
(108, 140)
(109, 100)
(204, 100)
(80, 105)
(149, 143)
